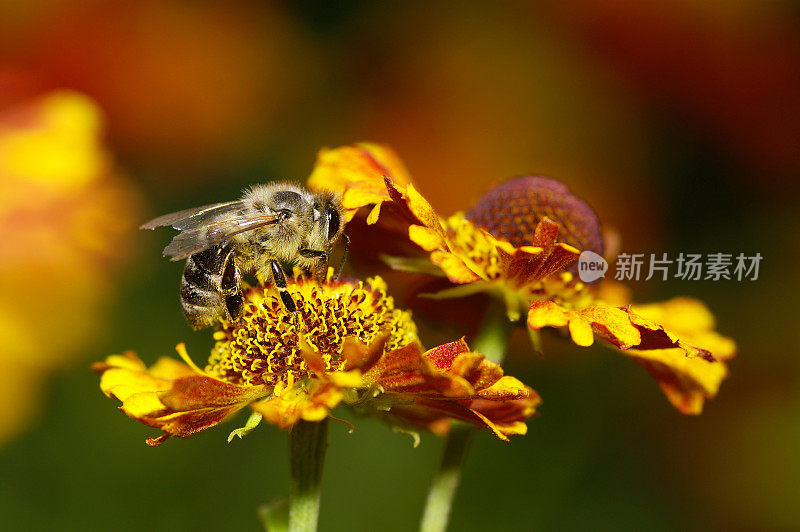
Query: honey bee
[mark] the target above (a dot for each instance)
(271, 224)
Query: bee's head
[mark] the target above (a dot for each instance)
(328, 222)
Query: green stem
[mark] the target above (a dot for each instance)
(492, 338)
(445, 481)
(491, 341)
(307, 444)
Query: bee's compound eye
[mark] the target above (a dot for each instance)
(332, 216)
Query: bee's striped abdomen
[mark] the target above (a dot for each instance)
(210, 287)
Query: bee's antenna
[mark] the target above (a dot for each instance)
(344, 255)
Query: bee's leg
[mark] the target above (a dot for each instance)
(231, 288)
(344, 255)
(280, 282)
(315, 254)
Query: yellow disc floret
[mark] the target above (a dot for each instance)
(474, 244)
(265, 346)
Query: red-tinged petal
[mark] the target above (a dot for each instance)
(448, 382)
(485, 376)
(683, 352)
(171, 395)
(199, 391)
(655, 336)
(188, 423)
(467, 365)
(507, 401)
(546, 257)
(612, 325)
(444, 355)
(400, 369)
(686, 381)
(693, 371)
(560, 257)
(452, 244)
(690, 320)
(155, 442)
(546, 233)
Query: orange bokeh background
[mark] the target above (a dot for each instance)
(678, 121)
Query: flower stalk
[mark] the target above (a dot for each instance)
(492, 341)
(307, 444)
(492, 338)
(445, 481)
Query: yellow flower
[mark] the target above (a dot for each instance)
(519, 244)
(67, 217)
(347, 343)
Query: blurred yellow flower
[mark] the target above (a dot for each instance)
(517, 244)
(54, 143)
(346, 343)
(66, 216)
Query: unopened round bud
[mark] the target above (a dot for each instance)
(512, 210)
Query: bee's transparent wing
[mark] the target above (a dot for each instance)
(194, 217)
(196, 239)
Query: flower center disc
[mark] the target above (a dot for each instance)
(266, 345)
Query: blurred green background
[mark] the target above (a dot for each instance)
(679, 121)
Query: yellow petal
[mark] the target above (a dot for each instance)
(454, 268)
(581, 332)
(372, 218)
(491, 425)
(613, 324)
(171, 395)
(142, 404)
(507, 387)
(126, 361)
(686, 381)
(425, 237)
(356, 172)
(681, 350)
(346, 379)
(422, 209)
(546, 314)
(122, 383)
